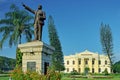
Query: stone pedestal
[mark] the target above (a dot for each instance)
(36, 56)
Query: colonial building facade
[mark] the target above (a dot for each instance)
(95, 62)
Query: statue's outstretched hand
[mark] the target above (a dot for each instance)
(23, 4)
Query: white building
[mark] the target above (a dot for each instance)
(95, 62)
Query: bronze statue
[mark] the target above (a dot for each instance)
(38, 21)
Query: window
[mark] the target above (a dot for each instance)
(67, 69)
(86, 62)
(79, 62)
(79, 70)
(67, 62)
(93, 62)
(92, 70)
(106, 70)
(99, 62)
(73, 62)
(99, 70)
(105, 62)
(73, 69)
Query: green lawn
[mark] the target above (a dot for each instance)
(64, 78)
(4, 78)
(114, 77)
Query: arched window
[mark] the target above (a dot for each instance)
(73, 62)
(79, 70)
(93, 62)
(86, 62)
(79, 62)
(99, 62)
(99, 70)
(73, 69)
(105, 62)
(93, 70)
(67, 69)
(67, 62)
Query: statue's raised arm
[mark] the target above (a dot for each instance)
(38, 21)
(28, 8)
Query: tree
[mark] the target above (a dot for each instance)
(18, 58)
(107, 42)
(15, 25)
(116, 67)
(6, 64)
(57, 56)
(86, 71)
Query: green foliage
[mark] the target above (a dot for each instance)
(105, 71)
(107, 41)
(32, 75)
(1, 72)
(74, 72)
(15, 25)
(87, 69)
(51, 75)
(17, 74)
(57, 56)
(18, 58)
(116, 67)
(6, 64)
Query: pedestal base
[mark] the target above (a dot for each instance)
(36, 56)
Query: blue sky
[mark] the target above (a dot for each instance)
(77, 23)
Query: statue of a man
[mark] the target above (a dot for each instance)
(38, 21)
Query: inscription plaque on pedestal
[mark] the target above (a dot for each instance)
(31, 66)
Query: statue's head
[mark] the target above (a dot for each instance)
(40, 7)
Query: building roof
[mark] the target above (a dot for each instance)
(86, 52)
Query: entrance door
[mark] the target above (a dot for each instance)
(46, 64)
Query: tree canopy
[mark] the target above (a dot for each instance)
(15, 24)
(116, 67)
(107, 41)
(6, 63)
(57, 56)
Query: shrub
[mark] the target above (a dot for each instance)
(53, 75)
(74, 72)
(17, 73)
(86, 71)
(1, 71)
(105, 71)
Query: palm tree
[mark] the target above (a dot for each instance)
(15, 25)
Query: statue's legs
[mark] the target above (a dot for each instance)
(40, 32)
(36, 31)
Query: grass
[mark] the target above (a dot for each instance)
(88, 79)
(4, 78)
(65, 77)
(114, 77)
